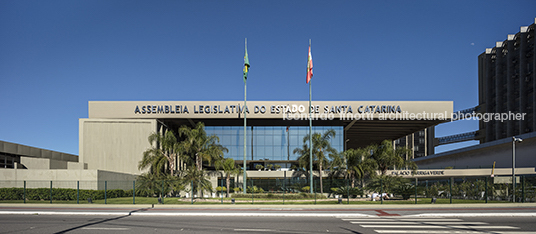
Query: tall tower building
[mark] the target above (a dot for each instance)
(506, 84)
(421, 143)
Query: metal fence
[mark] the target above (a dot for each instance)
(277, 190)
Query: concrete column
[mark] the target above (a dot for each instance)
(425, 143)
(533, 78)
(412, 145)
(487, 90)
(430, 136)
(522, 40)
(509, 78)
(498, 87)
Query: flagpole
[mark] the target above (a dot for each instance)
(245, 119)
(310, 136)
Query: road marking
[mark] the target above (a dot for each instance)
(403, 219)
(365, 222)
(429, 225)
(457, 223)
(383, 213)
(448, 232)
(98, 228)
(480, 227)
(432, 223)
(402, 226)
(254, 230)
(429, 215)
(434, 226)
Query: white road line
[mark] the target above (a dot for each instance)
(98, 228)
(431, 223)
(404, 219)
(430, 215)
(402, 226)
(254, 230)
(448, 232)
(439, 227)
(223, 214)
(364, 222)
(456, 223)
(61, 213)
(482, 227)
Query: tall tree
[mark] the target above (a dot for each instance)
(161, 156)
(386, 156)
(196, 179)
(229, 168)
(199, 147)
(359, 164)
(321, 150)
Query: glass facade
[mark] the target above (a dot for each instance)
(272, 143)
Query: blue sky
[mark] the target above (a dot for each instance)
(55, 56)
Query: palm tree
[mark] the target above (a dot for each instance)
(360, 164)
(228, 166)
(387, 157)
(199, 147)
(197, 179)
(321, 147)
(148, 184)
(155, 160)
(163, 151)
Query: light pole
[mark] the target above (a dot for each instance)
(345, 158)
(514, 139)
(347, 174)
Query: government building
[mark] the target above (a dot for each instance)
(115, 134)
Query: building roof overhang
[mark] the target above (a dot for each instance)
(365, 122)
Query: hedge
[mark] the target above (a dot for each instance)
(60, 194)
(291, 196)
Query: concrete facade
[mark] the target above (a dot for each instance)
(484, 155)
(114, 136)
(88, 179)
(23, 156)
(114, 144)
(507, 84)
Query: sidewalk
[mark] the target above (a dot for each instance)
(281, 206)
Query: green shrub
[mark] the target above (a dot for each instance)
(60, 194)
(405, 190)
(344, 191)
(254, 189)
(11, 193)
(287, 196)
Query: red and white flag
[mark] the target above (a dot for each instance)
(309, 66)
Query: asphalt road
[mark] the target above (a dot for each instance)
(260, 224)
(444, 210)
(482, 218)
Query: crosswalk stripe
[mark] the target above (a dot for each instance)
(481, 227)
(448, 232)
(402, 219)
(436, 225)
(457, 223)
(402, 226)
(433, 223)
(365, 222)
(439, 227)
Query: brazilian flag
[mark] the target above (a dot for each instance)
(246, 65)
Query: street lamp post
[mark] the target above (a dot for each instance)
(345, 158)
(514, 139)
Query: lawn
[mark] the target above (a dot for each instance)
(238, 201)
